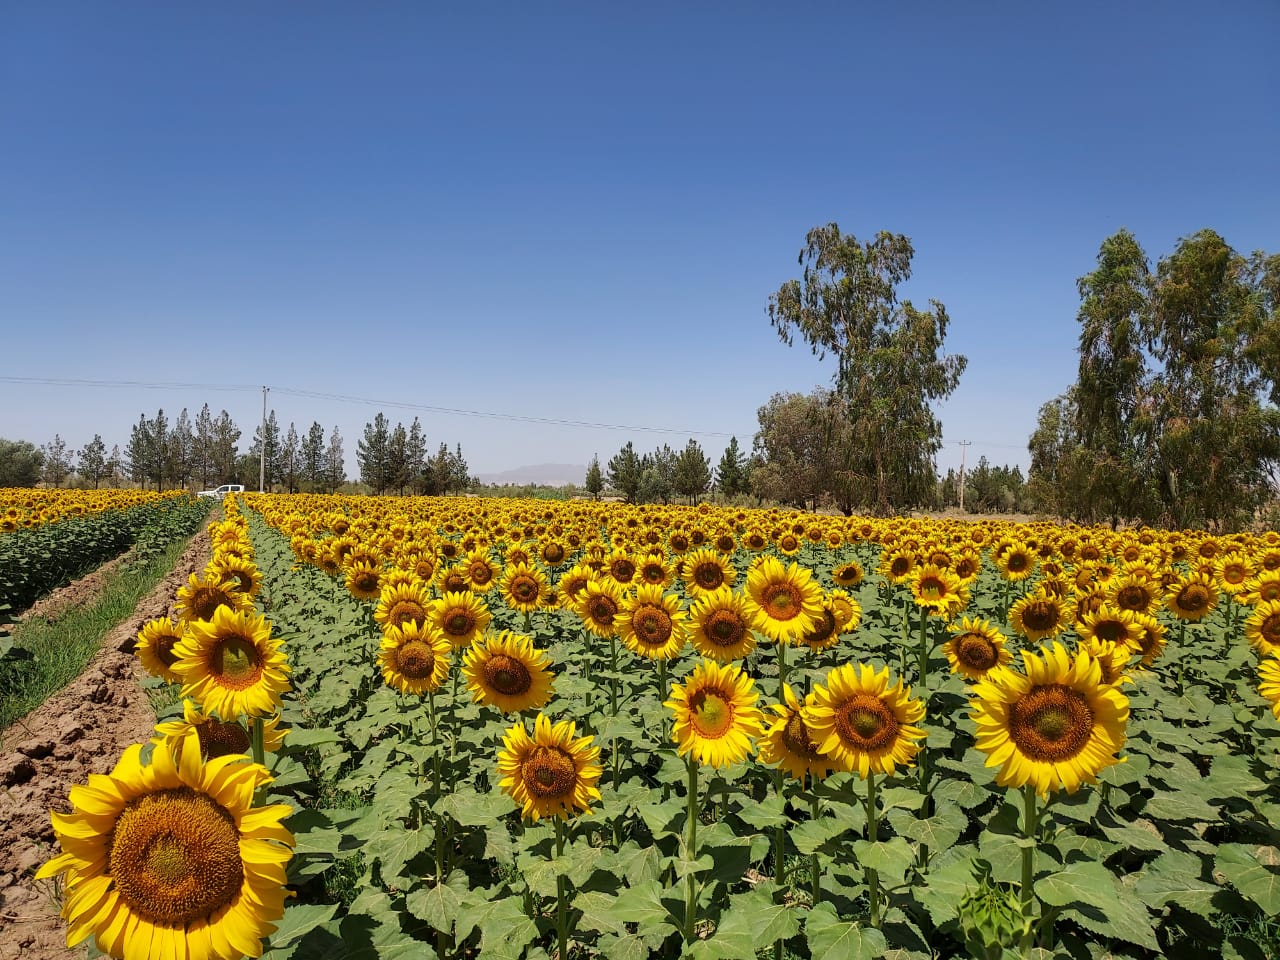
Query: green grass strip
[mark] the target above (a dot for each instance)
(59, 651)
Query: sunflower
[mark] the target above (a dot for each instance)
(848, 574)
(479, 570)
(522, 586)
(423, 565)
(553, 554)
(938, 591)
(861, 722)
(1263, 628)
(976, 647)
(1151, 638)
(403, 604)
(504, 670)
(755, 540)
(651, 623)
(722, 626)
(199, 598)
(460, 617)
(1191, 597)
(1040, 615)
(847, 610)
(785, 601)
(656, 571)
(236, 572)
(232, 665)
(1133, 591)
(172, 860)
(573, 581)
(452, 580)
(414, 658)
(620, 566)
(790, 744)
(599, 604)
(363, 580)
(552, 773)
(716, 716)
(789, 544)
(705, 571)
(214, 737)
(896, 566)
(967, 565)
(1269, 682)
(1055, 727)
(1108, 623)
(156, 641)
(1265, 586)
(1231, 571)
(826, 631)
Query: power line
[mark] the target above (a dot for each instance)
(344, 398)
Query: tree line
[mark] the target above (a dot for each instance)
(664, 473)
(396, 459)
(1173, 417)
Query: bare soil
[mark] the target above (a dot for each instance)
(81, 730)
(73, 594)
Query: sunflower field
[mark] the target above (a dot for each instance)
(521, 729)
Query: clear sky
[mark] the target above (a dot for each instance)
(578, 211)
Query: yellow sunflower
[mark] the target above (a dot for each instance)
(1151, 638)
(784, 601)
(452, 580)
(1055, 727)
(414, 658)
(213, 737)
(896, 566)
(1015, 563)
(789, 743)
(573, 581)
(1269, 683)
(976, 647)
(1040, 615)
(1264, 586)
(651, 623)
(721, 627)
(459, 617)
(847, 610)
(551, 774)
(236, 572)
(504, 670)
(232, 665)
(199, 598)
(706, 571)
(522, 586)
(479, 570)
(1112, 656)
(716, 716)
(656, 571)
(156, 641)
(621, 567)
(599, 604)
(862, 723)
(1108, 623)
(1231, 571)
(938, 591)
(848, 574)
(398, 605)
(1263, 628)
(1133, 591)
(363, 580)
(172, 860)
(1192, 597)
(826, 629)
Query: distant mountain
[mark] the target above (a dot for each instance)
(547, 474)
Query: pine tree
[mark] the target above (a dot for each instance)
(692, 473)
(372, 454)
(291, 459)
(731, 474)
(93, 461)
(625, 472)
(313, 465)
(595, 481)
(57, 461)
(335, 468)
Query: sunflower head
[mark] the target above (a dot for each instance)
(200, 598)
(862, 723)
(790, 744)
(232, 665)
(705, 571)
(848, 575)
(522, 586)
(976, 647)
(1055, 726)
(363, 580)
(551, 774)
(175, 853)
(414, 658)
(651, 623)
(599, 603)
(402, 604)
(722, 626)
(1263, 628)
(212, 737)
(938, 591)
(785, 601)
(504, 670)
(1269, 682)
(155, 647)
(1039, 615)
(1192, 597)
(235, 571)
(459, 617)
(716, 717)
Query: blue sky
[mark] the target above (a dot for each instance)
(576, 211)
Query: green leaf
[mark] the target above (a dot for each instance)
(598, 911)
(1252, 870)
(504, 929)
(831, 938)
(645, 905)
(1082, 882)
(890, 858)
(751, 920)
(297, 920)
(822, 835)
(1180, 806)
(766, 814)
(438, 904)
(397, 845)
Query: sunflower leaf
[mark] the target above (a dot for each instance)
(831, 938)
(1253, 871)
(505, 931)
(1080, 882)
(438, 904)
(751, 919)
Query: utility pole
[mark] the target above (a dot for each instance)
(964, 449)
(262, 447)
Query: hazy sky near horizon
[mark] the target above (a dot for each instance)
(577, 212)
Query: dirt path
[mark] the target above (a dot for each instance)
(81, 730)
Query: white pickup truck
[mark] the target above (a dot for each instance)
(223, 490)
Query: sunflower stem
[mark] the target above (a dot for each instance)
(662, 694)
(873, 831)
(779, 841)
(1030, 827)
(257, 742)
(782, 670)
(562, 925)
(815, 870)
(691, 851)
